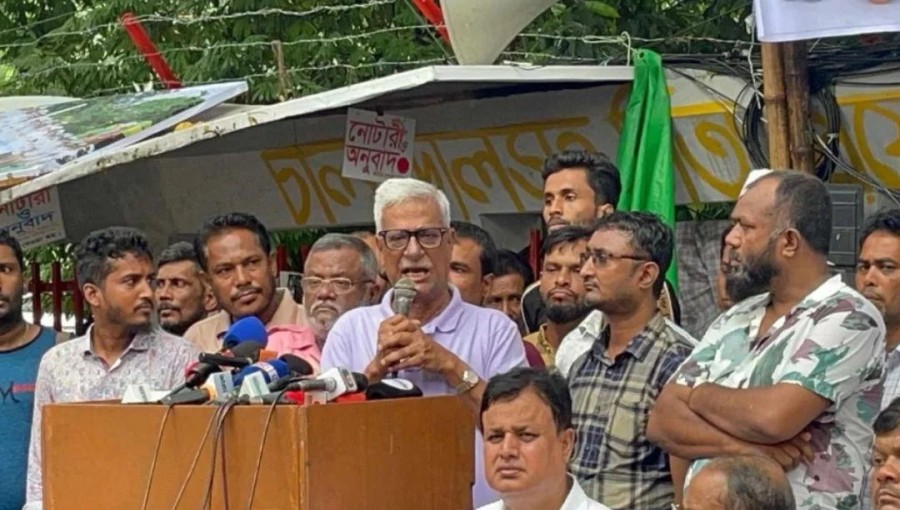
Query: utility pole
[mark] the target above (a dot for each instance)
(786, 94)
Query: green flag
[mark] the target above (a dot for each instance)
(645, 147)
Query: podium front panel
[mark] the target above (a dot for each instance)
(406, 453)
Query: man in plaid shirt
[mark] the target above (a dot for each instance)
(615, 383)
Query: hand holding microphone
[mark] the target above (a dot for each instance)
(401, 342)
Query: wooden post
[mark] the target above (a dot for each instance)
(284, 92)
(796, 80)
(776, 106)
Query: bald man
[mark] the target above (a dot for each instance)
(743, 482)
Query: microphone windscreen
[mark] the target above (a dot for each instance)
(362, 382)
(297, 365)
(248, 349)
(271, 371)
(246, 329)
(190, 369)
(392, 388)
(404, 292)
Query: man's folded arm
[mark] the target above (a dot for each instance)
(674, 427)
(765, 415)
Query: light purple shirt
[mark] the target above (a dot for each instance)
(71, 372)
(484, 339)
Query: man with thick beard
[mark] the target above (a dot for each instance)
(562, 289)
(21, 347)
(121, 348)
(793, 372)
(617, 380)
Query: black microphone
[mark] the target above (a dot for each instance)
(392, 388)
(200, 372)
(298, 365)
(300, 370)
(239, 358)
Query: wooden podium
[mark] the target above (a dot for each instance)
(415, 453)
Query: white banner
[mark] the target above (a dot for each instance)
(794, 20)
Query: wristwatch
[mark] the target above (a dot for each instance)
(469, 380)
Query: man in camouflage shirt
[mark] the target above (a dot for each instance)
(793, 372)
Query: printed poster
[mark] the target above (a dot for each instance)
(378, 147)
(38, 140)
(793, 20)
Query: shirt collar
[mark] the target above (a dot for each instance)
(284, 314)
(445, 322)
(816, 297)
(140, 343)
(575, 500)
(592, 325)
(640, 345)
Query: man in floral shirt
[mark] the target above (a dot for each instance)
(793, 372)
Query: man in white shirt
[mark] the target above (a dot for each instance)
(526, 416)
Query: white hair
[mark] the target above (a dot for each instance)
(399, 189)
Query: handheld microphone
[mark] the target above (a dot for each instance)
(392, 388)
(239, 359)
(197, 373)
(298, 365)
(404, 293)
(253, 380)
(218, 384)
(300, 369)
(333, 383)
(248, 328)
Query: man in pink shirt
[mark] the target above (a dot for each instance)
(234, 249)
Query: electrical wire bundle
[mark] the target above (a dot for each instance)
(831, 63)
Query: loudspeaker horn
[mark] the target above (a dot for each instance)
(481, 29)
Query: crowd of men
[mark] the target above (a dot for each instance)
(586, 392)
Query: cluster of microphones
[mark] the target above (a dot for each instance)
(244, 372)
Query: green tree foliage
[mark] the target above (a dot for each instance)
(78, 47)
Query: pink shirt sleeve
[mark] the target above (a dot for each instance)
(297, 340)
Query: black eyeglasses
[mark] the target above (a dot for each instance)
(601, 258)
(426, 237)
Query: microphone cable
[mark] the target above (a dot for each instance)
(262, 445)
(217, 440)
(159, 437)
(187, 479)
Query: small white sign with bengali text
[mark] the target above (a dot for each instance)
(378, 147)
(35, 219)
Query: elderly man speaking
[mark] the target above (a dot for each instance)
(443, 345)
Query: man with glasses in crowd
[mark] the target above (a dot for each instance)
(340, 274)
(444, 345)
(616, 382)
